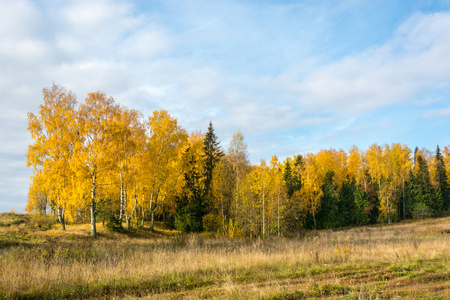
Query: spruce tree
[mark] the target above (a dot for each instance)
(329, 214)
(189, 210)
(422, 192)
(443, 192)
(362, 205)
(287, 176)
(213, 153)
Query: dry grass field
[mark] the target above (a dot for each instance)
(399, 261)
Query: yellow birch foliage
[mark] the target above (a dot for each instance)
(38, 198)
(375, 162)
(53, 132)
(128, 137)
(332, 160)
(165, 144)
(446, 155)
(312, 182)
(356, 164)
(387, 201)
(277, 195)
(399, 162)
(93, 155)
(261, 190)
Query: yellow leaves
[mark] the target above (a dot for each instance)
(97, 132)
(387, 201)
(37, 195)
(446, 156)
(317, 166)
(237, 152)
(355, 164)
(52, 131)
(312, 180)
(399, 161)
(375, 160)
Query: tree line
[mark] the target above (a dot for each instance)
(98, 159)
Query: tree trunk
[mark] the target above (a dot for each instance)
(314, 218)
(132, 212)
(125, 206)
(127, 223)
(237, 197)
(388, 207)
(314, 215)
(152, 213)
(389, 213)
(93, 207)
(143, 216)
(164, 215)
(143, 210)
(61, 217)
(93, 219)
(121, 200)
(404, 209)
(263, 214)
(223, 215)
(278, 213)
(152, 220)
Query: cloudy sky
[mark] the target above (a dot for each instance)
(292, 76)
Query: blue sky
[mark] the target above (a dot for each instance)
(293, 76)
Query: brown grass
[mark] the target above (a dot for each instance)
(409, 260)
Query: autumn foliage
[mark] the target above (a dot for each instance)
(98, 159)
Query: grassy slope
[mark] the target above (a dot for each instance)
(38, 260)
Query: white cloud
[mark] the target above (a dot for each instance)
(414, 61)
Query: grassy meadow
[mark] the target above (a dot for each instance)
(401, 261)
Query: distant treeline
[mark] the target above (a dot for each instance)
(100, 159)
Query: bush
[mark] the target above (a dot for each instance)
(114, 224)
(43, 222)
(211, 223)
(421, 211)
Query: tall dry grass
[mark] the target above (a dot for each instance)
(138, 266)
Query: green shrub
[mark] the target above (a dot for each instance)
(421, 211)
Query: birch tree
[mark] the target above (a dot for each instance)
(53, 131)
(165, 143)
(93, 159)
(237, 154)
(311, 186)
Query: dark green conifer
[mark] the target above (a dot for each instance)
(190, 210)
(213, 153)
(442, 189)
